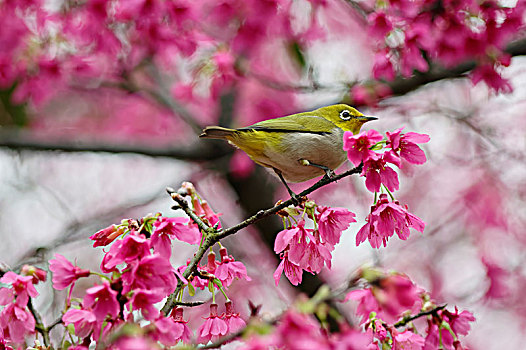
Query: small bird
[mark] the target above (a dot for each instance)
(297, 147)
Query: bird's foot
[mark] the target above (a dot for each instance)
(329, 174)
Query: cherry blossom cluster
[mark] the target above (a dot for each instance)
(136, 275)
(388, 305)
(386, 217)
(141, 275)
(411, 33)
(309, 249)
(391, 301)
(16, 291)
(45, 48)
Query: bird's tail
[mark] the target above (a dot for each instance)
(216, 132)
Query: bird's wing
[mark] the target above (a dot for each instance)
(297, 123)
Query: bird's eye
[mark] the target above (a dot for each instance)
(345, 115)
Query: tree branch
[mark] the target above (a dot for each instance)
(408, 319)
(213, 238)
(39, 324)
(401, 86)
(199, 151)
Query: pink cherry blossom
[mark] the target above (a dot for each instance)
(377, 172)
(299, 331)
(350, 339)
(167, 331)
(384, 220)
(459, 324)
(144, 300)
(106, 235)
(64, 272)
(332, 222)
(211, 264)
(229, 269)
(232, 319)
(310, 254)
(303, 248)
(284, 237)
(16, 322)
(22, 287)
(202, 208)
(153, 272)
(393, 295)
(6, 296)
(406, 145)
(37, 274)
(293, 272)
(491, 77)
(358, 147)
(166, 229)
(213, 328)
(83, 320)
(102, 300)
(380, 25)
(132, 248)
(407, 340)
(186, 333)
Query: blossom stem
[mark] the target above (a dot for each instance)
(222, 291)
(388, 192)
(448, 327)
(100, 275)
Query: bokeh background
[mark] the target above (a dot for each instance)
(100, 111)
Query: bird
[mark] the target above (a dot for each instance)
(297, 147)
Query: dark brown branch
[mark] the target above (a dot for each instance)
(39, 324)
(401, 86)
(182, 204)
(408, 319)
(213, 238)
(189, 303)
(18, 140)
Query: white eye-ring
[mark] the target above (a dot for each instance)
(345, 115)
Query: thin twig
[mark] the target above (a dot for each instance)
(408, 319)
(39, 325)
(182, 204)
(213, 238)
(189, 303)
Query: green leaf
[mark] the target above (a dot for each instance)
(191, 290)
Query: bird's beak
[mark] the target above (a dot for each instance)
(366, 118)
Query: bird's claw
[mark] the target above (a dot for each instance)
(329, 173)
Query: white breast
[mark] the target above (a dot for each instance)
(326, 150)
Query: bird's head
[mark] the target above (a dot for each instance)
(345, 117)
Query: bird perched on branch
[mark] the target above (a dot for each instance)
(297, 147)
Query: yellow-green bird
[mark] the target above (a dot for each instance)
(297, 147)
